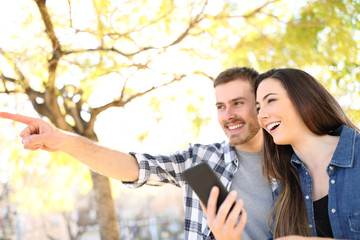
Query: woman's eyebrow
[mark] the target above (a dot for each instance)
(266, 96)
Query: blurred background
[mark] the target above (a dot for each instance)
(137, 76)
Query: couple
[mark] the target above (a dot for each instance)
(310, 153)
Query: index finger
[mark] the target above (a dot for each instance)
(17, 117)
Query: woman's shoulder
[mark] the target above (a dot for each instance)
(348, 132)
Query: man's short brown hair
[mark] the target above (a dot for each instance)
(234, 73)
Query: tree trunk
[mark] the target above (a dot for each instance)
(105, 209)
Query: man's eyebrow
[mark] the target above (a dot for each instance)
(232, 100)
(238, 98)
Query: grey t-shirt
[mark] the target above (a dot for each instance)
(255, 191)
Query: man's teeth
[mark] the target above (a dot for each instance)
(235, 126)
(273, 125)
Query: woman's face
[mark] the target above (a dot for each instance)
(277, 114)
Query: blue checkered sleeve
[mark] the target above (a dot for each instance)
(156, 170)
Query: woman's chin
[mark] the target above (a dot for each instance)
(279, 141)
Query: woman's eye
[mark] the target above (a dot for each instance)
(271, 100)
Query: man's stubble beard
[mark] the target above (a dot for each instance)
(241, 138)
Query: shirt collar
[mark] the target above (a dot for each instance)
(229, 154)
(344, 152)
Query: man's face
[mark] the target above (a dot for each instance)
(235, 102)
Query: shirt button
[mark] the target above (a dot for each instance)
(333, 210)
(310, 225)
(307, 197)
(331, 168)
(307, 173)
(332, 181)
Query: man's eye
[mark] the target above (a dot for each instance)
(219, 107)
(238, 103)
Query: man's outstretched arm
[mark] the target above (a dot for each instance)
(41, 135)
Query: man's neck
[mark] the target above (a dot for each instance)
(254, 145)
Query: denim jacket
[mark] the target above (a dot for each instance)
(344, 186)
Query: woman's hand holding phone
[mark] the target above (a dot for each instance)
(229, 221)
(225, 216)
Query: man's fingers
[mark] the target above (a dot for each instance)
(38, 134)
(32, 141)
(35, 147)
(29, 130)
(213, 198)
(17, 117)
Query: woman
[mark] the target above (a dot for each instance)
(313, 151)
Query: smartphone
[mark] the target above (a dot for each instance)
(201, 179)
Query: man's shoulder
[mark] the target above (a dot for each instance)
(219, 148)
(216, 153)
(218, 145)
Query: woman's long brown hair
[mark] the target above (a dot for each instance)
(321, 114)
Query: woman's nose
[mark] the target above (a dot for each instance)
(261, 114)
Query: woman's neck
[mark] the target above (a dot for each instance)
(315, 151)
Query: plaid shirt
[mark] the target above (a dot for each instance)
(163, 169)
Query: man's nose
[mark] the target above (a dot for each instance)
(230, 114)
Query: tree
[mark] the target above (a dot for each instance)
(76, 46)
(66, 105)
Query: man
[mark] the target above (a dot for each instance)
(237, 163)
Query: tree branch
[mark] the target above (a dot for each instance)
(8, 79)
(205, 75)
(70, 14)
(257, 10)
(49, 28)
(102, 49)
(140, 28)
(192, 24)
(250, 14)
(120, 103)
(52, 110)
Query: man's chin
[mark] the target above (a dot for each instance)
(235, 142)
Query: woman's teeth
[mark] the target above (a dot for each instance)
(272, 126)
